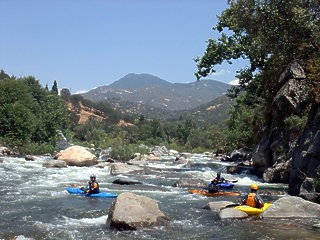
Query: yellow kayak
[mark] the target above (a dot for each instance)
(251, 211)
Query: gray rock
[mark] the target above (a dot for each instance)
(292, 207)
(232, 213)
(54, 164)
(216, 206)
(29, 158)
(278, 174)
(62, 142)
(122, 168)
(290, 99)
(307, 186)
(1, 160)
(126, 182)
(293, 71)
(131, 212)
(306, 156)
(261, 156)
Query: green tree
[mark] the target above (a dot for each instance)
(54, 88)
(3, 75)
(270, 34)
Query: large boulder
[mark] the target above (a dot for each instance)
(54, 164)
(292, 207)
(306, 157)
(77, 156)
(131, 212)
(279, 173)
(290, 99)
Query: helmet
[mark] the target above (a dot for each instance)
(93, 176)
(254, 186)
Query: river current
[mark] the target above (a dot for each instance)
(34, 203)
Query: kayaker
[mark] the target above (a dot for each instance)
(253, 199)
(212, 187)
(219, 178)
(93, 185)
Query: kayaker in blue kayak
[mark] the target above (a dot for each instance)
(212, 187)
(93, 185)
(219, 178)
(253, 199)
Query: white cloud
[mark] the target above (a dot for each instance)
(80, 91)
(220, 72)
(234, 82)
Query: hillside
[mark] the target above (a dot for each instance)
(150, 90)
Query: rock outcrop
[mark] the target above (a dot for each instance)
(306, 156)
(77, 156)
(131, 212)
(292, 207)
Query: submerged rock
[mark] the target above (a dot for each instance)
(77, 156)
(217, 206)
(29, 158)
(126, 182)
(131, 212)
(292, 207)
(191, 182)
(232, 213)
(54, 164)
(122, 168)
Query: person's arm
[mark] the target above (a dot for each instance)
(95, 186)
(244, 201)
(260, 202)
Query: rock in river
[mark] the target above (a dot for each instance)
(77, 156)
(131, 212)
(292, 207)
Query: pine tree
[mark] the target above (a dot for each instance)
(54, 88)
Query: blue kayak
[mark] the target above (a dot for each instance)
(225, 185)
(97, 195)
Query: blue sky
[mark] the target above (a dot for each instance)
(84, 44)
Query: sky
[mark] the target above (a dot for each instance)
(83, 44)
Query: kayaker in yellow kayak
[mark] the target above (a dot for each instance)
(253, 199)
(93, 185)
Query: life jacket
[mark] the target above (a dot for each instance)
(251, 200)
(94, 185)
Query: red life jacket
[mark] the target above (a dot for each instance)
(251, 200)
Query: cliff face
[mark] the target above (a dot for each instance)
(306, 155)
(290, 155)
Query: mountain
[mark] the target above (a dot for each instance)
(146, 89)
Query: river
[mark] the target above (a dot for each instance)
(34, 203)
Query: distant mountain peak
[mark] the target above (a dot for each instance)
(135, 80)
(153, 91)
